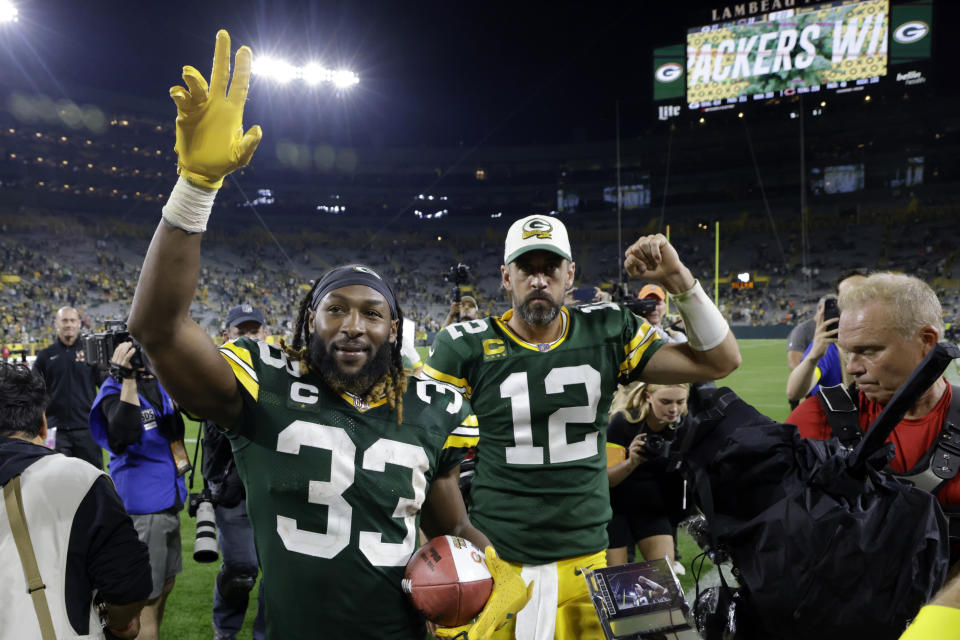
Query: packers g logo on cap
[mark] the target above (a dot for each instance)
(363, 269)
(537, 228)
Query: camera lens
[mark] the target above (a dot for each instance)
(205, 544)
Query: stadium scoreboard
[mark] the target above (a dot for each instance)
(806, 48)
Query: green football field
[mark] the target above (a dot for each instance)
(760, 380)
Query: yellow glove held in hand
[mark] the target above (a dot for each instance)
(509, 595)
(210, 138)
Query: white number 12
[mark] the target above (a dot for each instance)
(517, 389)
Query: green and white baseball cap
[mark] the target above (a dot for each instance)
(536, 232)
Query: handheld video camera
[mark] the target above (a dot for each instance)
(458, 274)
(98, 347)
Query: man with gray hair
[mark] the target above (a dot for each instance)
(888, 324)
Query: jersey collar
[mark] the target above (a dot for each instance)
(565, 318)
(359, 403)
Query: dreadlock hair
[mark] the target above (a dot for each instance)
(392, 385)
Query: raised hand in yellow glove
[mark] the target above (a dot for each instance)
(210, 138)
(509, 595)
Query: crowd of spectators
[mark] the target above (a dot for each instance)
(97, 268)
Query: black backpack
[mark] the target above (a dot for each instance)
(824, 543)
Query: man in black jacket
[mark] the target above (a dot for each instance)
(81, 536)
(72, 385)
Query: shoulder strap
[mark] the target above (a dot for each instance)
(942, 462)
(841, 412)
(35, 587)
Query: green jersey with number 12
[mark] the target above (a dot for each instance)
(540, 492)
(334, 491)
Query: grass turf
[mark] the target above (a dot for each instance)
(761, 381)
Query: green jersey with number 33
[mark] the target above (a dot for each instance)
(334, 491)
(540, 492)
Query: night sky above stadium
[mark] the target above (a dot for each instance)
(432, 73)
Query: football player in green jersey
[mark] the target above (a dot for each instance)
(341, 461)
(540, 379)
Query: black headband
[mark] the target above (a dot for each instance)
(350, 275)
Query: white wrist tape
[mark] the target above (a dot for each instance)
(189, 206)
(704, 323)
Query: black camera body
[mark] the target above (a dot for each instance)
(656, 446)
(641, 307)
(194, 500)
(98, 347)
(458, 274)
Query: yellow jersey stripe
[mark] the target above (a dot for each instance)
(502, 322)
(242, 374)
(470, 421)
(460, 383)
(460, 442)
(636, 354)
(642, 331)
(241, 356)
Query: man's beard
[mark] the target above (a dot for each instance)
(539, 316)
(358, 383)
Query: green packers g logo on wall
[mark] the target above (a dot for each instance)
(537, 228)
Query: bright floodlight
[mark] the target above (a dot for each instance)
(343, 78)
(312, 73)
(274, 68)
(8, 12)
(743, 277)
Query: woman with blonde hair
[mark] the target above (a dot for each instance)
(647, 500)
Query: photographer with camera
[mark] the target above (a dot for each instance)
(135, 419)
(651, 305)
(224, 488)
(648, 498)
(888, 324)
(462, 310)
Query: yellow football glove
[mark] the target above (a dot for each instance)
(210, 138)
(509, 595)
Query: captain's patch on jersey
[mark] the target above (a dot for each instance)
(494, 349)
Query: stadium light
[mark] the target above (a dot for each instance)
(8, 12)
(276, 69)
(312, 73)
(343, 78)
